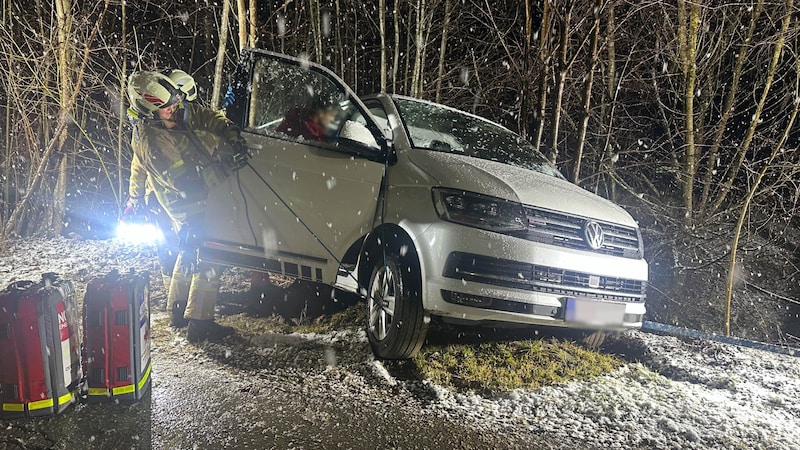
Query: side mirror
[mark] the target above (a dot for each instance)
(357, 132)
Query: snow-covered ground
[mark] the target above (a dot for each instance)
(673, 393)
(681, 395)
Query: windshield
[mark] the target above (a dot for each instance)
(433, 127)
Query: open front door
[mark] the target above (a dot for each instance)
(314, 181)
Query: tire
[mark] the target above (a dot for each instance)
(396, 322)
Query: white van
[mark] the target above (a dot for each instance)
(423, 209)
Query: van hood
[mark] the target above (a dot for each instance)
(514, 183)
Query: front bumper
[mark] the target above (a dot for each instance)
(493, 278)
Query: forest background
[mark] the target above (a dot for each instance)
(682, 111)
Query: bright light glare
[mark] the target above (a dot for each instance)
(139, 233)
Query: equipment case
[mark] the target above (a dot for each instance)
(117, 336)
(40, 366)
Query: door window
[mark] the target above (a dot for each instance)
(294, 102)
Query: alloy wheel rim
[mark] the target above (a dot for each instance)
(382, 301)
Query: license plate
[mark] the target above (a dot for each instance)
(594, 313)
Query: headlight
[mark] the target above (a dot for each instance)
(479, 211)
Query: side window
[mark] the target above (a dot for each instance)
(380, 116)
(357, 121)
(295, 102)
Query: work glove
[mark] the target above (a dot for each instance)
(133, 206)
(230, 97)
(241, 155)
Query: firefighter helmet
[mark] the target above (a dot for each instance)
(150, 91)
(184, 82)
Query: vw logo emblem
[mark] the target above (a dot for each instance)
(593, 234)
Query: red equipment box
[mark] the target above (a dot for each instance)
(39, 347)
(116, 324)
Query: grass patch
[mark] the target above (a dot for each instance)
(353, 316)
(500, 366)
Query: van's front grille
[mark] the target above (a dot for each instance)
(564, 230)
(538, 278)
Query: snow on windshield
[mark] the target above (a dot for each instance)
(433, 127)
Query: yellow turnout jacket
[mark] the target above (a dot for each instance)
(182, 163)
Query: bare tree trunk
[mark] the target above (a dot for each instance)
(382, 25)
(339, 50)
(419, 41)
(316, 28)
(7, 25)
(561, 76)
(479, 91)
(241, 14)
(65, 81)
(313, 22)
(223, 44)
(606, 165)
(407, 59)
(587, 92)
(282, 29)
(320, 33)
(122, 80)
(253, 23)
(527, 67)
(396, 59)
(354, 82)
(443, 50)
(424, 59)
(689, 23)
(60, 193)
(544, 62)
(8, 143)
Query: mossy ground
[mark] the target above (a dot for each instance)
(501, 366)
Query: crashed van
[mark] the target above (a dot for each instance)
(425, 210)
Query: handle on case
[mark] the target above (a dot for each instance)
(21, 285)
(49, 278)
(13, 301)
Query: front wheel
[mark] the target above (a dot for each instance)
(397, 322)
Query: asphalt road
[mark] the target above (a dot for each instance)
(260, 391)
(276, 391)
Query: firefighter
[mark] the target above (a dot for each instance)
(140, 190)
(186, 150)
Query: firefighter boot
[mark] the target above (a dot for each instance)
(176, 319)
(207, 330)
